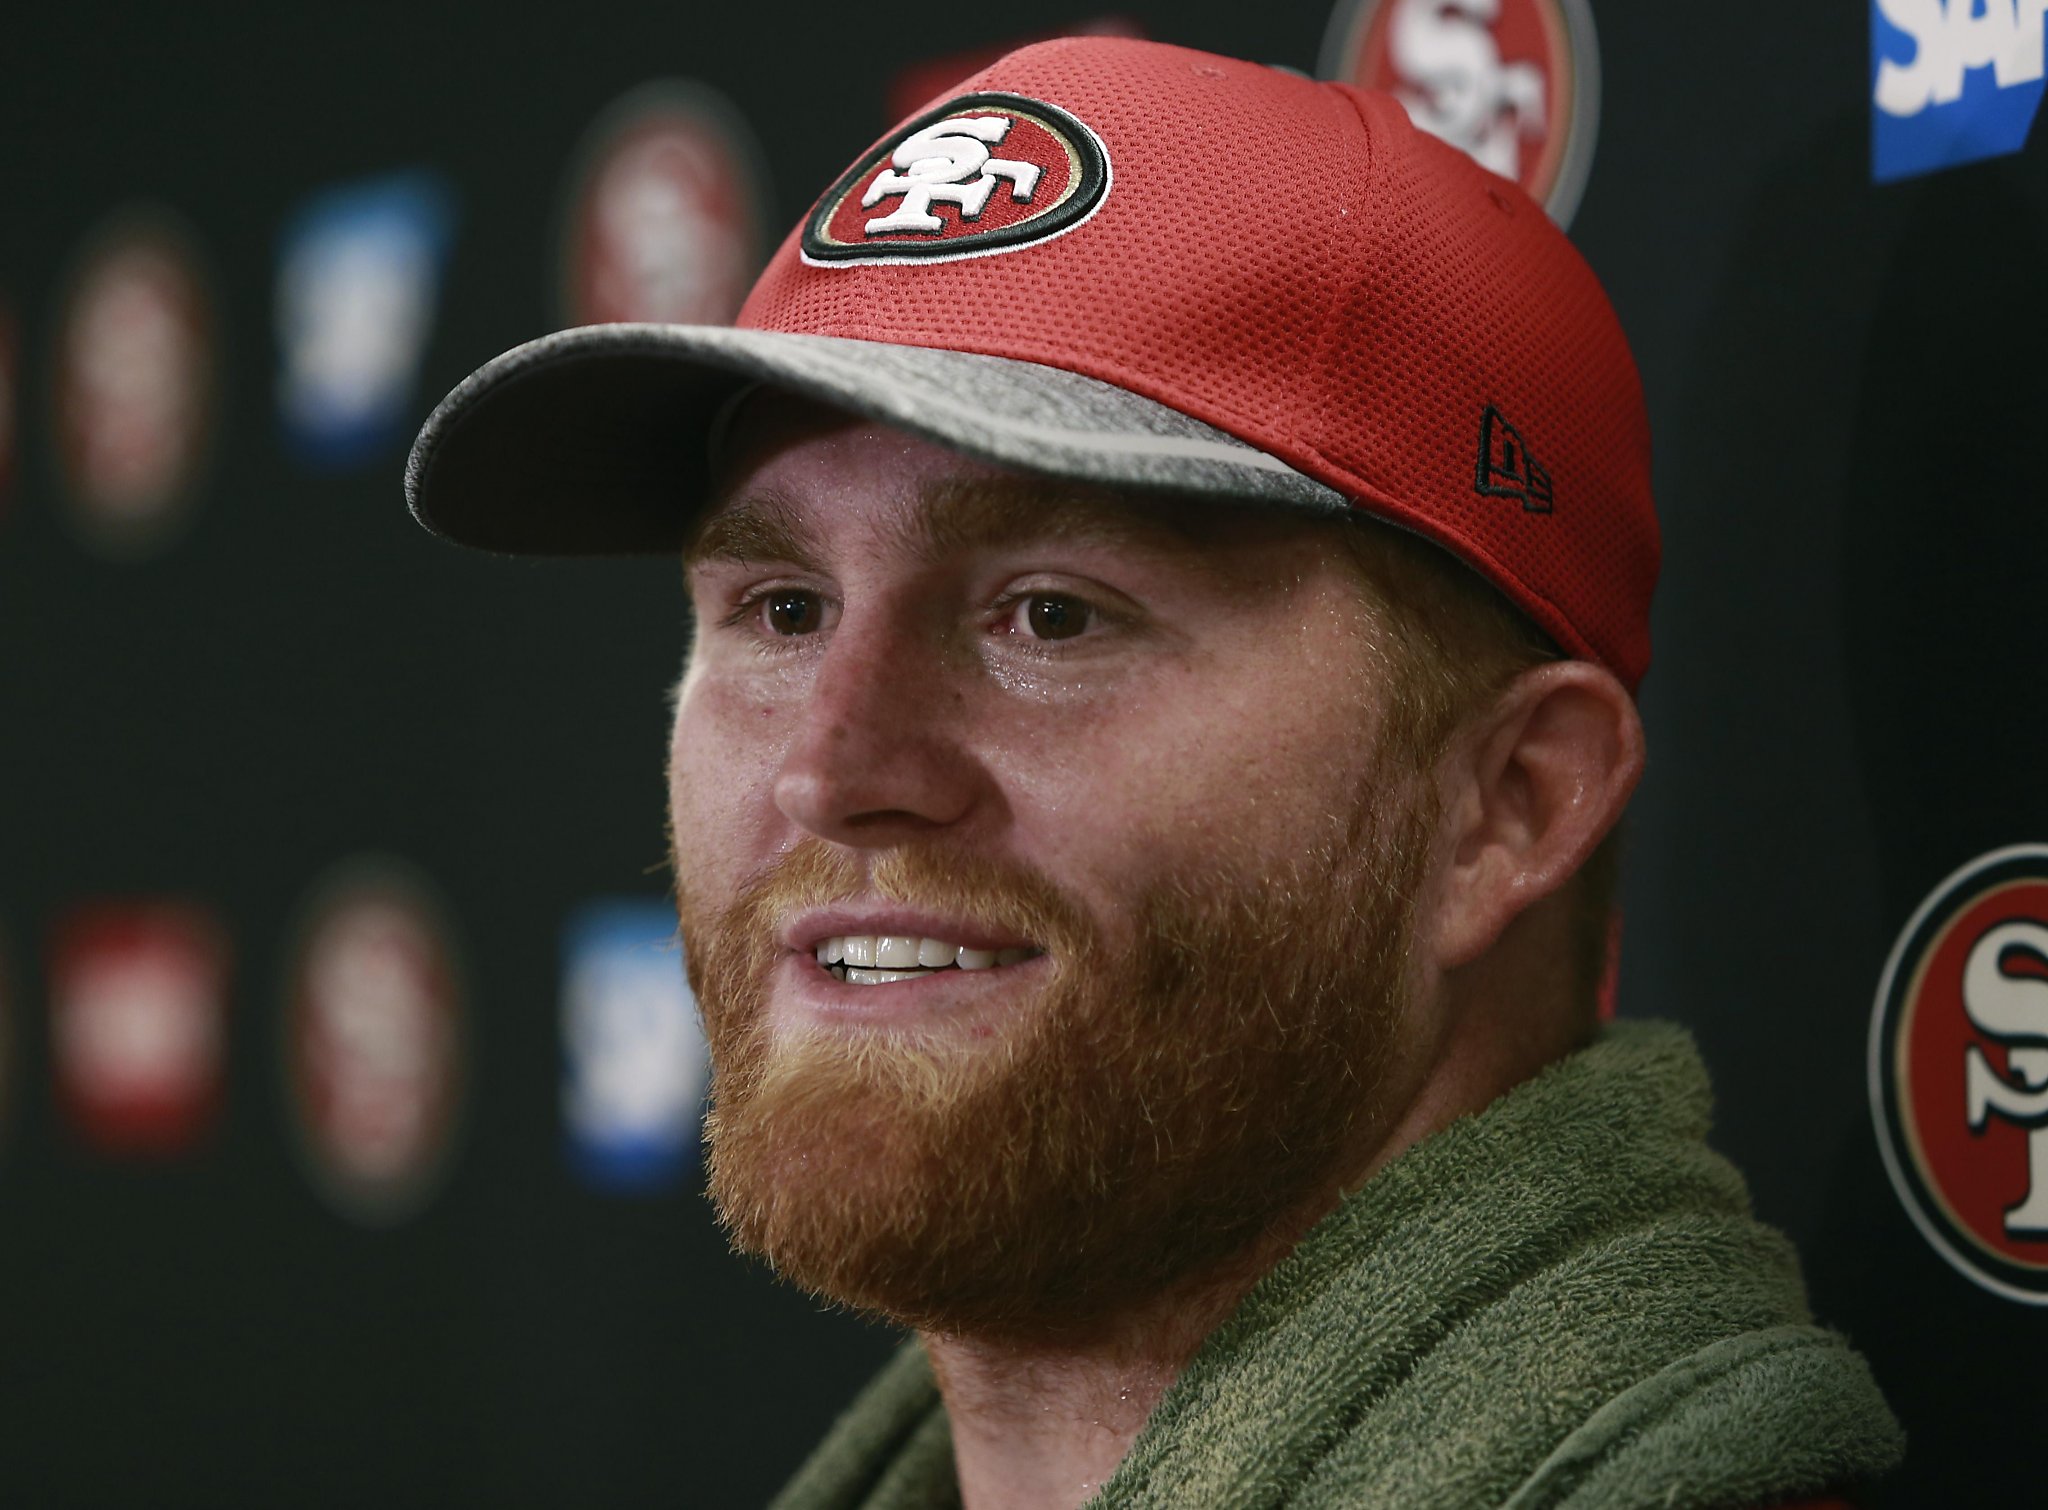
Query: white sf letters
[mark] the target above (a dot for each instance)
(2014, 1010)
(1459, 89)
(948, 160)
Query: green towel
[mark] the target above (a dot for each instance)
(1561, 1301)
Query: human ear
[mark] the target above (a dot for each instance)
(1529, 790)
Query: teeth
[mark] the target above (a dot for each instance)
(893, 952)
(872, 959)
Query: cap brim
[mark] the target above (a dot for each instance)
(597, 440)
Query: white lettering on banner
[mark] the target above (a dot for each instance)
(2012, 1008)
(637, 1058)
(947, 160)
(1463, 92)
(1951, 37)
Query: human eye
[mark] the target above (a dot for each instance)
(1048, 616)
(780, 612)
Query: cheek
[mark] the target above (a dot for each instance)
(1209, 765)
(724, 750)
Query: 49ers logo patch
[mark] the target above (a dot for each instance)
(983, 174)
(1959, 1071)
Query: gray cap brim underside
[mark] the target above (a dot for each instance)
(597, 440)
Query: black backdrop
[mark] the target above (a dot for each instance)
(1846, 391)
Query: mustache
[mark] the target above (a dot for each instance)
(999, 895)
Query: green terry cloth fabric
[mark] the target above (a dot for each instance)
(1560, 1303)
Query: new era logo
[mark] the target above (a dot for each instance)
(1506, 469)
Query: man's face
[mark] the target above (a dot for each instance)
(1109, 766)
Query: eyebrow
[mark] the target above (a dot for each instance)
(953, 515)
(762, 526)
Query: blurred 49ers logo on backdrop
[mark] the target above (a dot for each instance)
(1514, 83)
(375, 1039)
(1959, 1070)
(663, 218)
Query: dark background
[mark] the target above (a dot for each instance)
(1847, 395)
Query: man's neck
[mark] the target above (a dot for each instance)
(1041, 1425)
(1038, 1430)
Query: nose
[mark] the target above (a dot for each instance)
(882, 754)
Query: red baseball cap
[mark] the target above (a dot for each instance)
(1146, 266)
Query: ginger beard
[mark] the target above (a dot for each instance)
(1148, 1116)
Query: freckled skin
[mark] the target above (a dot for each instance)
(1221, 704)
(1216, 718)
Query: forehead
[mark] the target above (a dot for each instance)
(790, 471)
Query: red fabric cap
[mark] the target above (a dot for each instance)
(1296, 264)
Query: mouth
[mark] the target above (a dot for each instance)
(881, 959)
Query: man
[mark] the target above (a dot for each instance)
(1142, 796)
